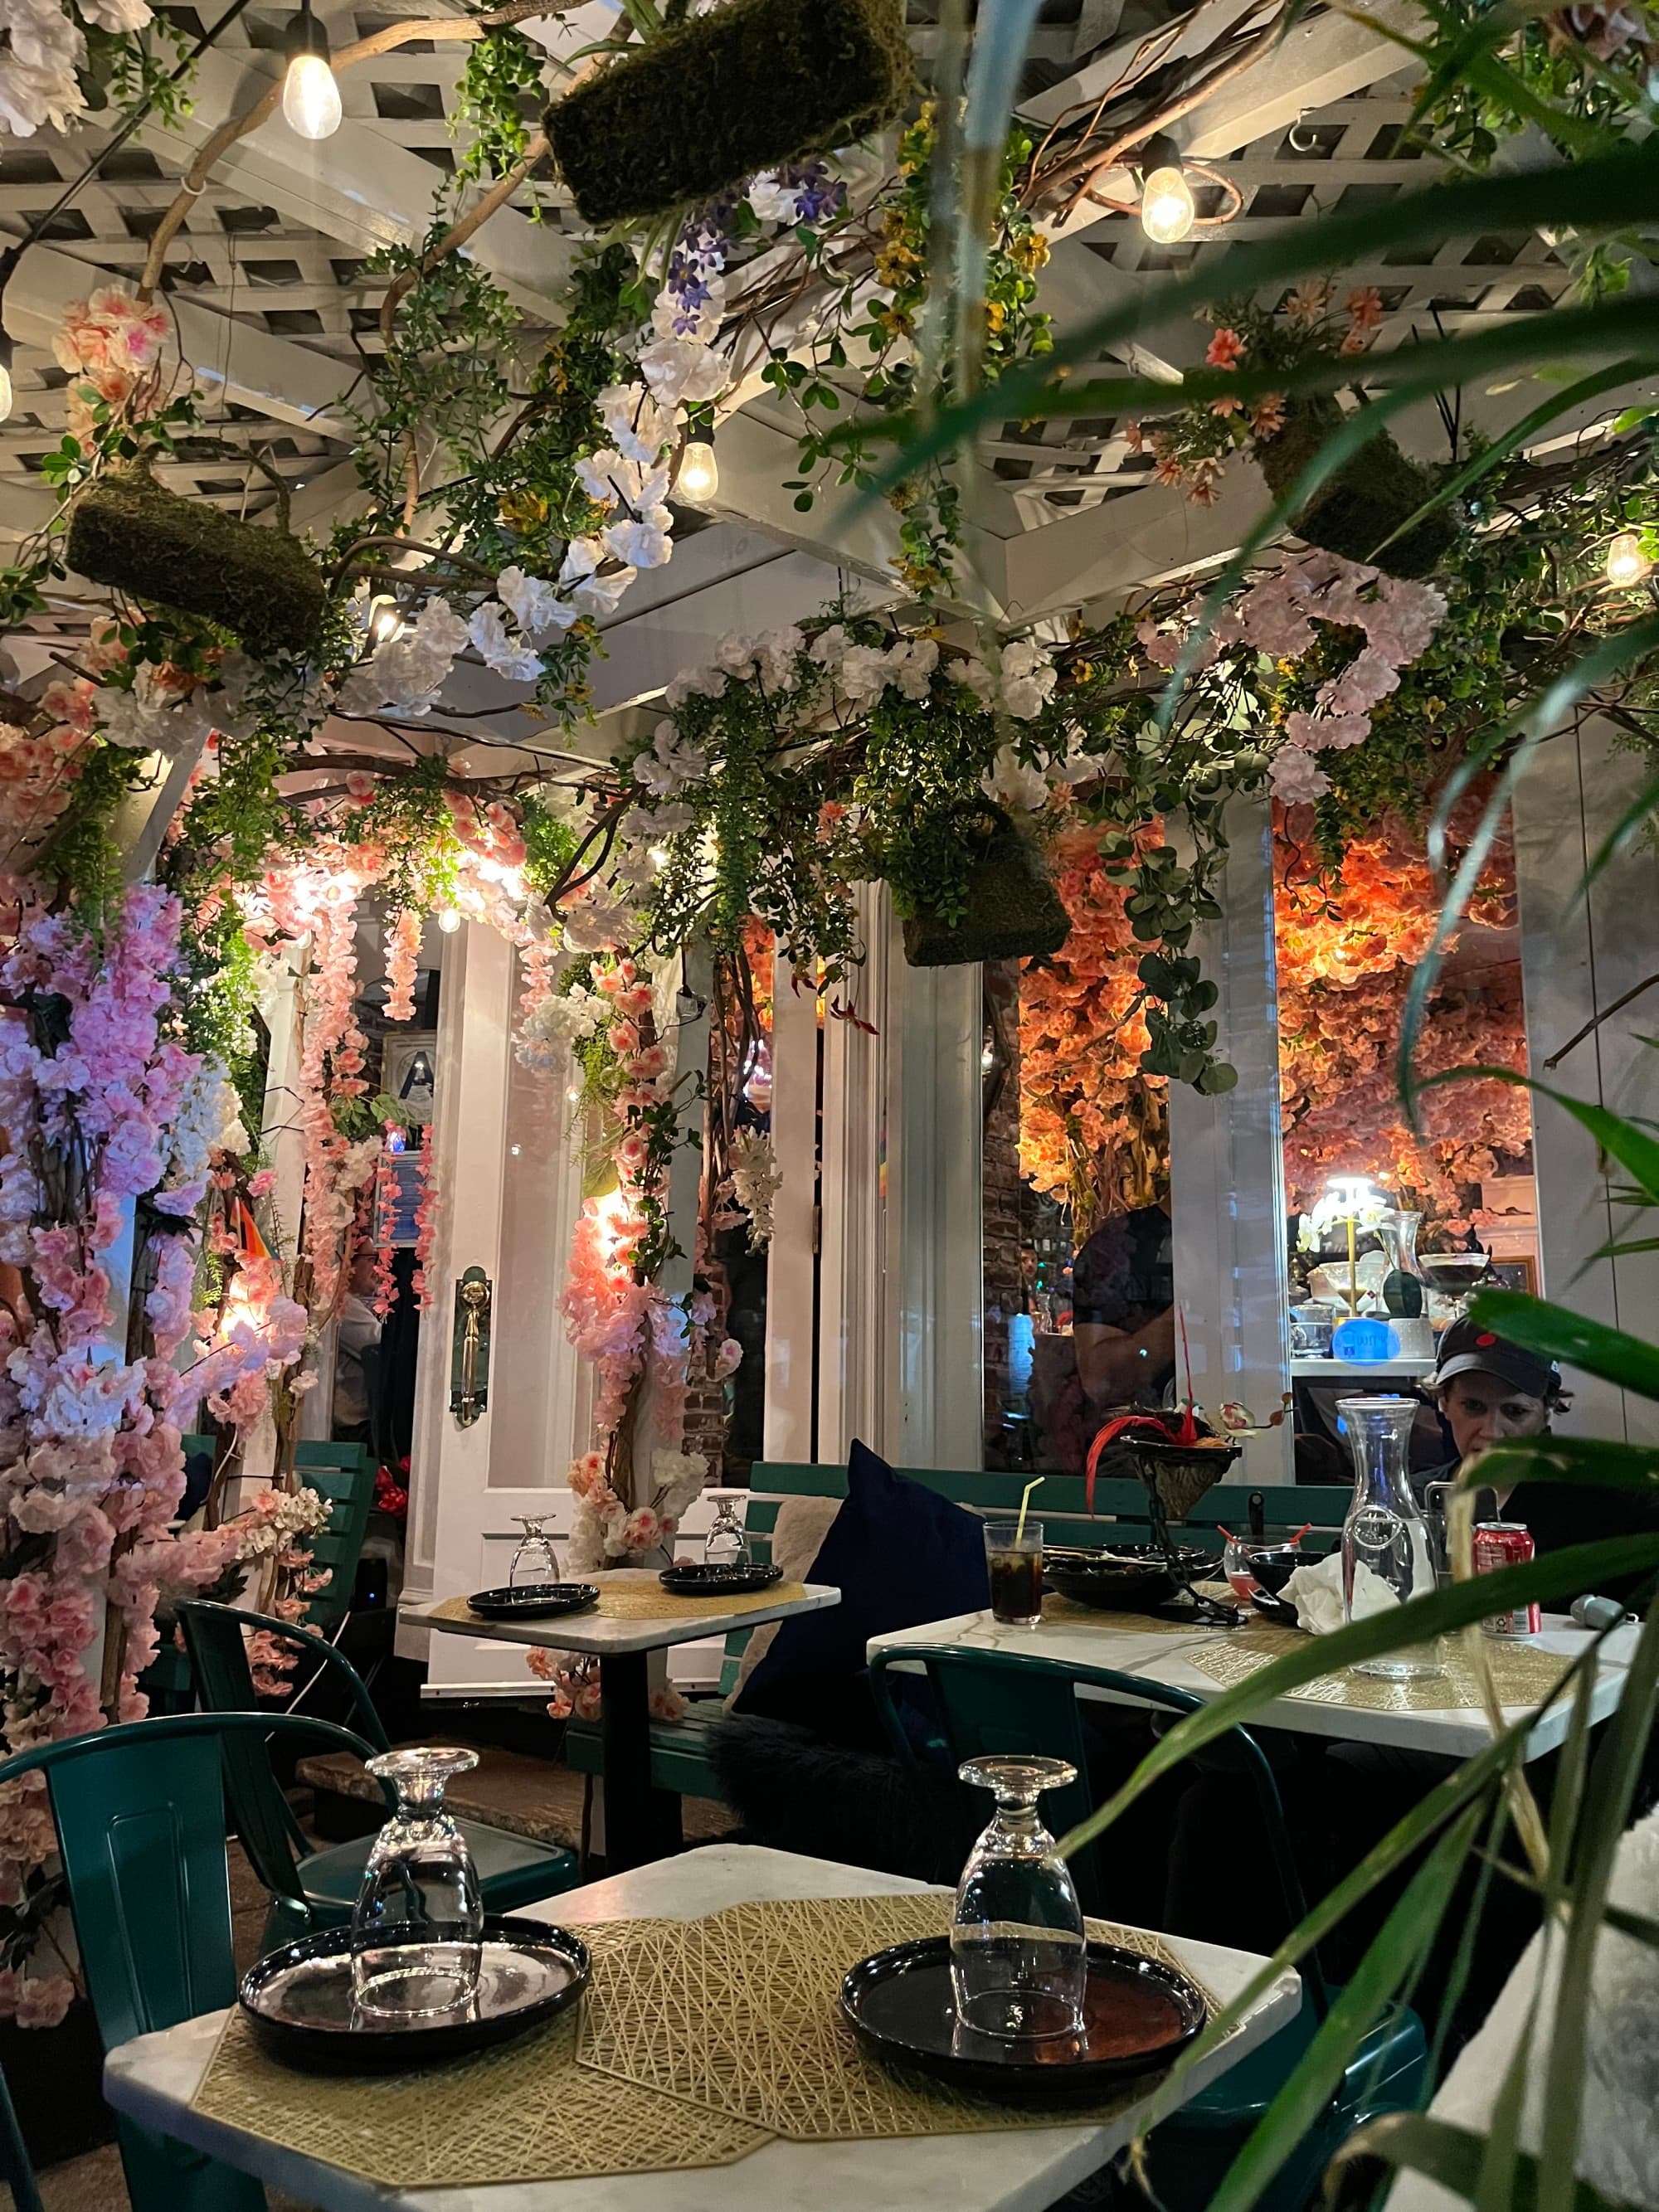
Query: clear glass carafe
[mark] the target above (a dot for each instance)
(726, 1544)
(418, 1927)
(535, 1561)
(1404, 1289)
(1017, 1958)
(1386, 1557)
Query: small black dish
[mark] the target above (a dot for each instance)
(298, 2000)
(1272, 1565)
(534, 1600)
(1129, 1578)
(1276, 1608)
(703, 1581)
(1138, 2014)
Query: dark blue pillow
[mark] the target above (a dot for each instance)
(900, 1555)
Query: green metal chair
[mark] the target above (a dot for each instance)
(997, 1702)
(16, 2167)
(141, 1826)
(344, 1474)
(514, 1871)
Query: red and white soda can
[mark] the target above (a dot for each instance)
(1506, 1544)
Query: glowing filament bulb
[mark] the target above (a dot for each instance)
(448, 921)
(1627, 562)
(1167, 209)
(698, 478)
(311, 98)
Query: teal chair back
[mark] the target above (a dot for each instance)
(344, 1474)
(1004, 1704)
(140, 1811)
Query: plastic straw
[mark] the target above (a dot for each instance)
(1025, 1500)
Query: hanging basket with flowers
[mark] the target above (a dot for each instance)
(1012, 910)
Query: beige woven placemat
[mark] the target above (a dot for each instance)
(641, 1601)
(737, 2013)
(1059, 1612)
(527, 2111)
(1523, 1675)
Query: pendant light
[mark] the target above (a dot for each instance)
(311, 96)
(1167, 208)
(697, 479)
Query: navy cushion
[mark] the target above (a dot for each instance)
(900, 1555)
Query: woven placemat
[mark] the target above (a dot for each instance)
(737, 2013)
(1059, 1612)
(638, 1601)
(1523, 1675)
(526, 2111)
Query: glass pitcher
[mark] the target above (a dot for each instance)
(1405, 1291)
(1386, 1557)
(417, 1933)
(1018, 1965)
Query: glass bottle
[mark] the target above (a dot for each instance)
(535, 1562)
(726, 1544)
(1017, 1959)
(418, 1928)
(1386, 1557)
(1405, 1287)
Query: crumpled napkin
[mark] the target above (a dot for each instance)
(1316, 1594)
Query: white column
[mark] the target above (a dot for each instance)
(791, 1262)
(1227, 1172)
(936, 1258)
(1579, 955)
(853, 1274)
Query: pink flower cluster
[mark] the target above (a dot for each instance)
(403, 948)
(426, 1221)
(385, 1199)
(110, 344)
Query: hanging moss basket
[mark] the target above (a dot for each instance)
(1013, 911)
(135, 535)
(748, 87)
(1367, 499)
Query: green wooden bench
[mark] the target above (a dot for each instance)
(679, 1749)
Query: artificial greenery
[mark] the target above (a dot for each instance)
(129, 532)
(1010, 910)
(1359, 509)
(750, 86)
(499, 82)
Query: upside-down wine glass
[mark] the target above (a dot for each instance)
(1018, 1963)
(535, 1560)
(417, 1932)
(726, 1544)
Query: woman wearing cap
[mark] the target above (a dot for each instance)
(1491, 1392)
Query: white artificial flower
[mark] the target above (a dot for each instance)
(736, 654)
(676, 1477)
(778, 651)
(638, 428)
(865, 672)
(31, 98)
(508, 656)
(594, 475)
(42, 36)
(1013, 785)
(607, 476)
(755, 1181)
(912, 661)
(582, 555)
(1027, 680)
(117, 14)
(439, 629)
(830, 646)
(534, 604)
(671, 318)
(683, 373)
(671, 764)
(146, 721)
(595, 922)
(643, 545)
(599, 595)
(772, 201)
(1075, 766)
(1296, 777)
(700, 683)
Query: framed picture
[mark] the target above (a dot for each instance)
(1514, 1275)
(409, 1072)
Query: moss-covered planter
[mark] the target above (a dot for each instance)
(750, 86)
(138, 537)
(1013, 911)
(1368, 497)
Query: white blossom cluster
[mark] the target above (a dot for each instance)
(41, 49)
(279, 1515)
(755, 1181)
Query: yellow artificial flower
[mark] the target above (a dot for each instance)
(1030, 251)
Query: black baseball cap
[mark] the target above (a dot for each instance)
(1467, 1349)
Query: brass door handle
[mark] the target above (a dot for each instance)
(469, 1372)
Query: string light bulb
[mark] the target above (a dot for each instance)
(385, 620)
(448, 921)
(311, 95)
(1168, 210)
(1627, 563)
(697, 478)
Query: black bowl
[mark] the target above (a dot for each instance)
(1129, 1578)
(298, 2000)
(1138, 2014)
(698, 1579)
(533, 1601)
(1273, 1565)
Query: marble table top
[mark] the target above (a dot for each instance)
(153, 2078)
(592, 1631)
(1156, 1652)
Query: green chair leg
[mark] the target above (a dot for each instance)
(16, 2167)
(164, 2176)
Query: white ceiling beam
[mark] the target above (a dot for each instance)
(282, 379)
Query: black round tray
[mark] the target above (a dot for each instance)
(534, 1600)
(1131, 1579)
(298, 2000)
(1138, 2014)
(702, 1581)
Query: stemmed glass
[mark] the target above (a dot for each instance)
(535, 1560)
(1018, 1962)
(726, 1544)
(417, 1932)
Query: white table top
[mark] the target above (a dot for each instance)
(592, 1631)
(1158, 1654)
(153, 2078)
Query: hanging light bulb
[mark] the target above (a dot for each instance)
(448, 921)
(385, 620)
(1167, 208)
(311, 97)
(1627, 564)
(698, 477)
(5, 376)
